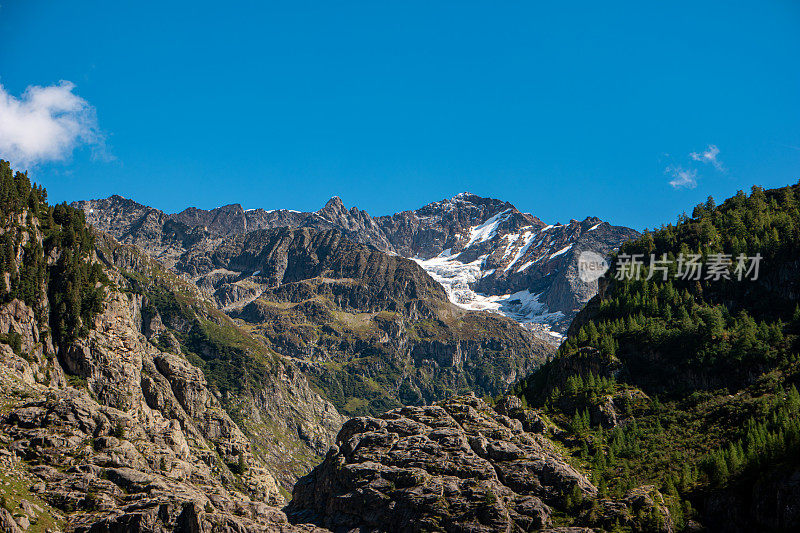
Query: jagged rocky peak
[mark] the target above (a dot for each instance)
(468, 207)
(356, 224)
(119, 212)
(452, 224)
(335, 203)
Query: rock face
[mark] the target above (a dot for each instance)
(486, 253)
(289, 425)
(455, 466)
(279, 260)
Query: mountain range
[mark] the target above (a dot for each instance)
(486, 253)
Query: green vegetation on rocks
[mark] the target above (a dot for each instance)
(691, 384)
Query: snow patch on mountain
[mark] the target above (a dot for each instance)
(524, 267)
(512, 238)
(487, 230)
(527, 240)
(562, 251)
(525, 307)
(458, 278)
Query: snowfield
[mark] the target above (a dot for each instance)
(488, 229)
(458, 280)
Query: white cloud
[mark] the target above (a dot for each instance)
(682, 178)
(709, 156)
(46, 124)
(686, 178)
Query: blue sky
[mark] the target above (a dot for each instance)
(567, 110)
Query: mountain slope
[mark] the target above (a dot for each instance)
(691, 384)
(270, 399)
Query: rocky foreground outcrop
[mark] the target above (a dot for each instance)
(460, 466)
